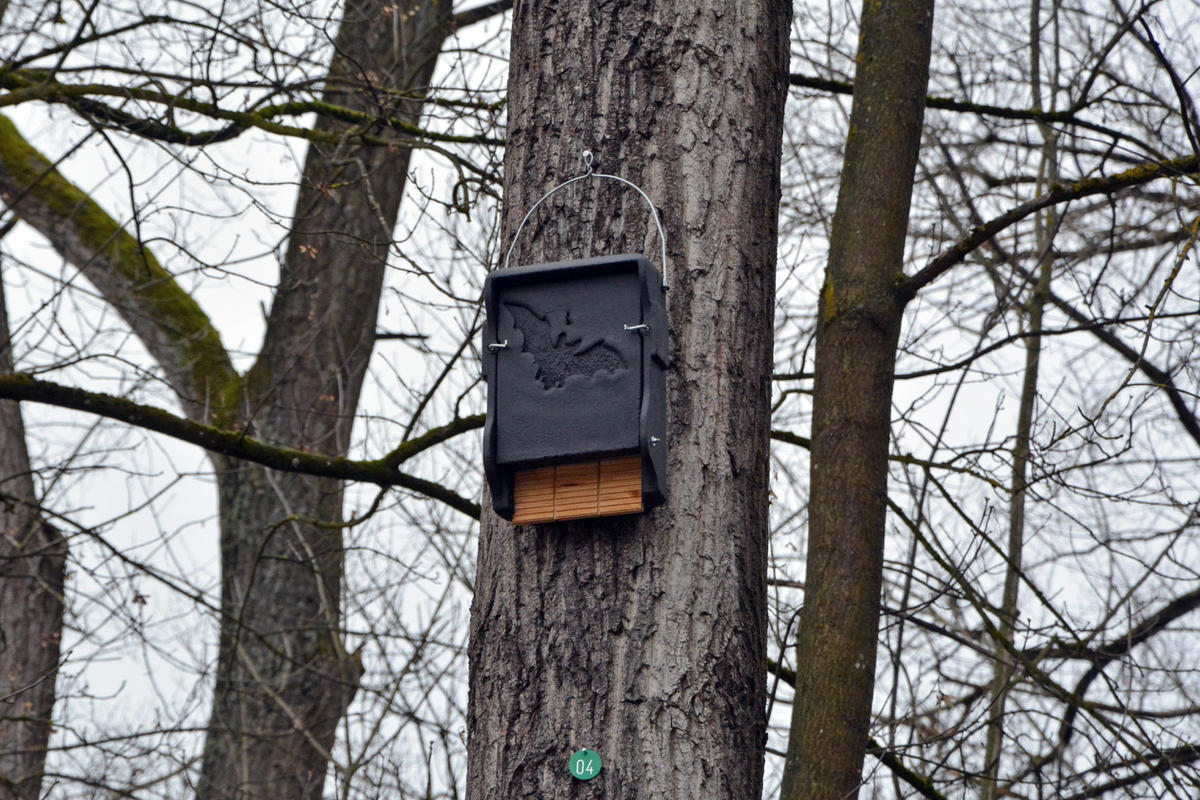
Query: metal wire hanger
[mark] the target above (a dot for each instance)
(589, 172)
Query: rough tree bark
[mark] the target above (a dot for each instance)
(643, 637)
(32, 564)
(858, 329)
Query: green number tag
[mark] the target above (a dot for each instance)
(585, 764)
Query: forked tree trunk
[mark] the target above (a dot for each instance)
(858, 327)
(643, 637)
(283, 677)
(32, 565)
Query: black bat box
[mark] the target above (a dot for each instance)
(574, 355)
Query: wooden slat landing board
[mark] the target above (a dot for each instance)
(576, 491)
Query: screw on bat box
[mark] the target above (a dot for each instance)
(575, 353)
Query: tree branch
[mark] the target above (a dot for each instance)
(33, 85)
(899, 458)
(907, 288)
(1172, 757)
(480, 13)
(170, 324)
(236, 444)
(889, 758)
(982, 109)
(1158, 376)
(1122, 644)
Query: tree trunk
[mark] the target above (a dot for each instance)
(284, 678)
(1045, 228)
(858, 328)
(32, 566)
(643, 637)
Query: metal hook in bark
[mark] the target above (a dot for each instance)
(589, 172)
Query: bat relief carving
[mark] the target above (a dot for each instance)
(558, 350)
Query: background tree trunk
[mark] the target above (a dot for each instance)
(643, 637)
(1045, 229)
(284, 678)
(858, 329)
(283, 675)
(32, 565)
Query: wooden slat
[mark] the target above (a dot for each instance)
(575, 490)
(620, 490)
(578, 491)
(533, 496)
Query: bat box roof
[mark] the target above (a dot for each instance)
(574, 354)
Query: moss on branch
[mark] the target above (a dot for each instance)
(169, 321)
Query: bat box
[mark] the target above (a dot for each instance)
(574, 355)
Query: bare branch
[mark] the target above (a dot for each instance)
(169, 322)
(907, 288)
(982, 109)
(481, 13)
(1121, 644)
(889, 758)
(236, 444)
(32, 85)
